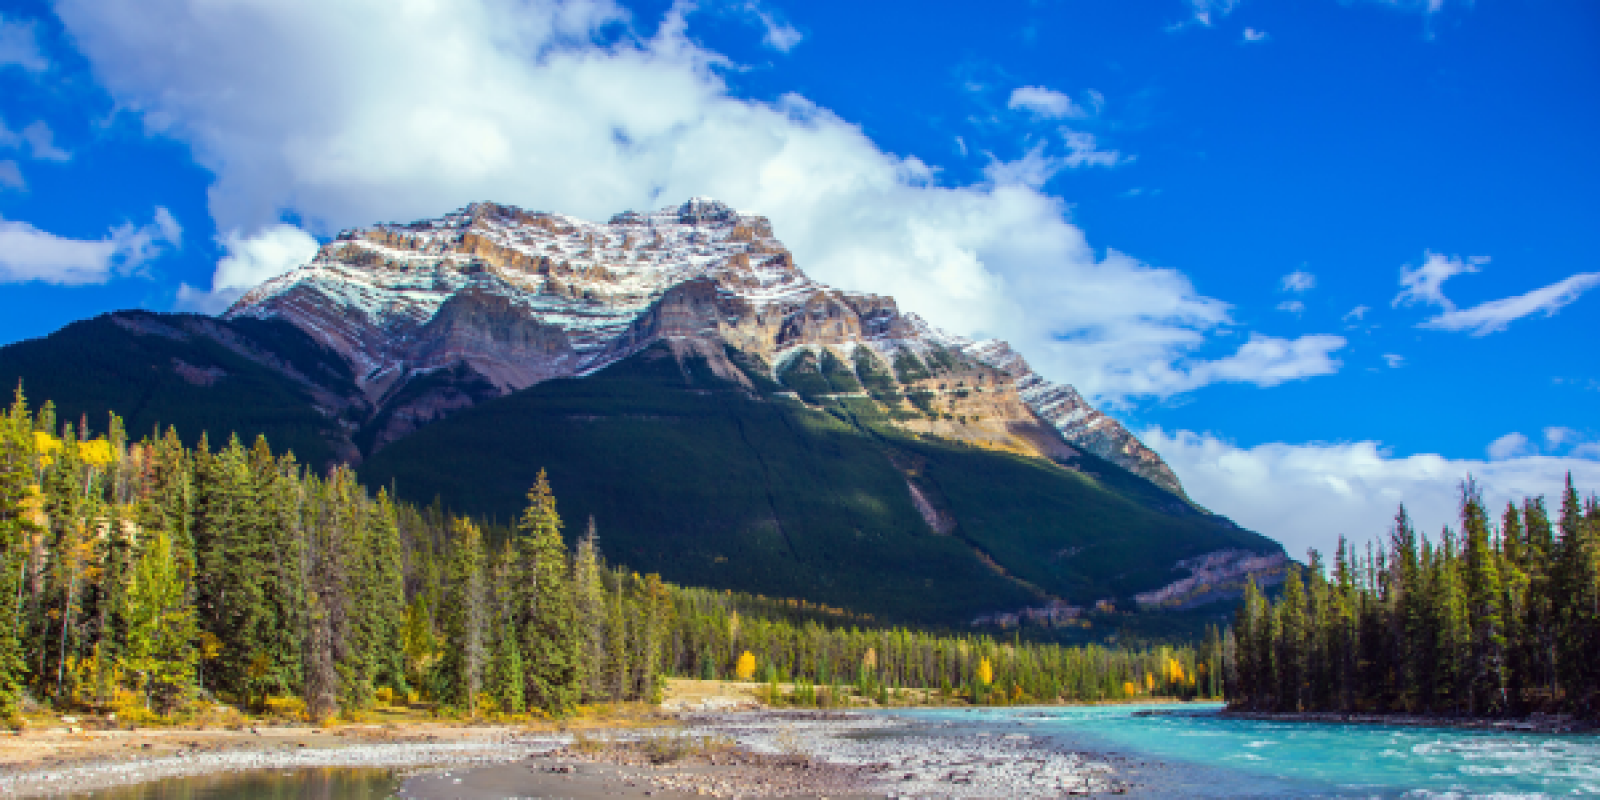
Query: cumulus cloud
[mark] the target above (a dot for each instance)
(1306, 495)
(29, 254)
(302, 107)
(1356, 314)
(20, 47)
(1394, 361)
(1496, 315)
(1292, 306)
(1299, 281)
(1044, 102)
(251, 260)
(11, 176)
(1252, 35)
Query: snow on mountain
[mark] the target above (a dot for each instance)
(520, 297)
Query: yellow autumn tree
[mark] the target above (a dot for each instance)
(985, 671)
(746, 668)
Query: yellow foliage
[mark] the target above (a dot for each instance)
(385, 695)
(1149, 681)
(45, 445)
(1129, 688)
(210, 645)
(286, 707)
(95, 452)
(985, 671)
(1174, 671)
(869, 660)
(746, 668)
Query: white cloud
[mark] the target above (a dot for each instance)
(1495, 315)
(1356, 314)
(1306, 495)
(1556, 436)
(1253, 35)
(1424, 284)
(19, 46)
(11, 176)
(1427, 7)
(1208, 11)
(1083, 150)
(1394, 361)
(1292, 306)
(29, 254)
(531, 104)
(250, 261)
(1043, 102)
(1511, 445)
(1299, 281)
(41, 141)
(1269, 361)
(776, 33)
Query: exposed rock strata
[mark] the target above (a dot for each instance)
(517, 297)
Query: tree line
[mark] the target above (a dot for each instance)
(1488, 620)
(147, 576)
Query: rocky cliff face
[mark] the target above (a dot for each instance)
(439, 314)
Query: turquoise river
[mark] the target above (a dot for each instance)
(1192, 751)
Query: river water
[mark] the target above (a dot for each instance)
(1181, 751)
(267, 784)
(1192, 751)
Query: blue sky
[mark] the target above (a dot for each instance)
(1324, 255)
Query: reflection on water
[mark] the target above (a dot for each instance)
(277, 784)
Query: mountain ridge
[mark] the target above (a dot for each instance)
(521, 297)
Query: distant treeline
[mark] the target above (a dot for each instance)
(1491, 620)
(146, 577)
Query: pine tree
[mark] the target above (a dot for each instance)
(17, 528)
(462, 661)
(1515, 585)
(1453, 636)
(617, 675)
(384, 597)
(161, 627)
(1292, 629)
(1486, 668)
(589, 596)
(1577, 604)
(547, 619)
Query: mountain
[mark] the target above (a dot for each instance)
(724, 419)
(516, 297)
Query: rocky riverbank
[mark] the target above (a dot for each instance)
(64, 763)
(749, 754)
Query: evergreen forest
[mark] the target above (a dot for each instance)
(151, 578)
(1490, 620)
